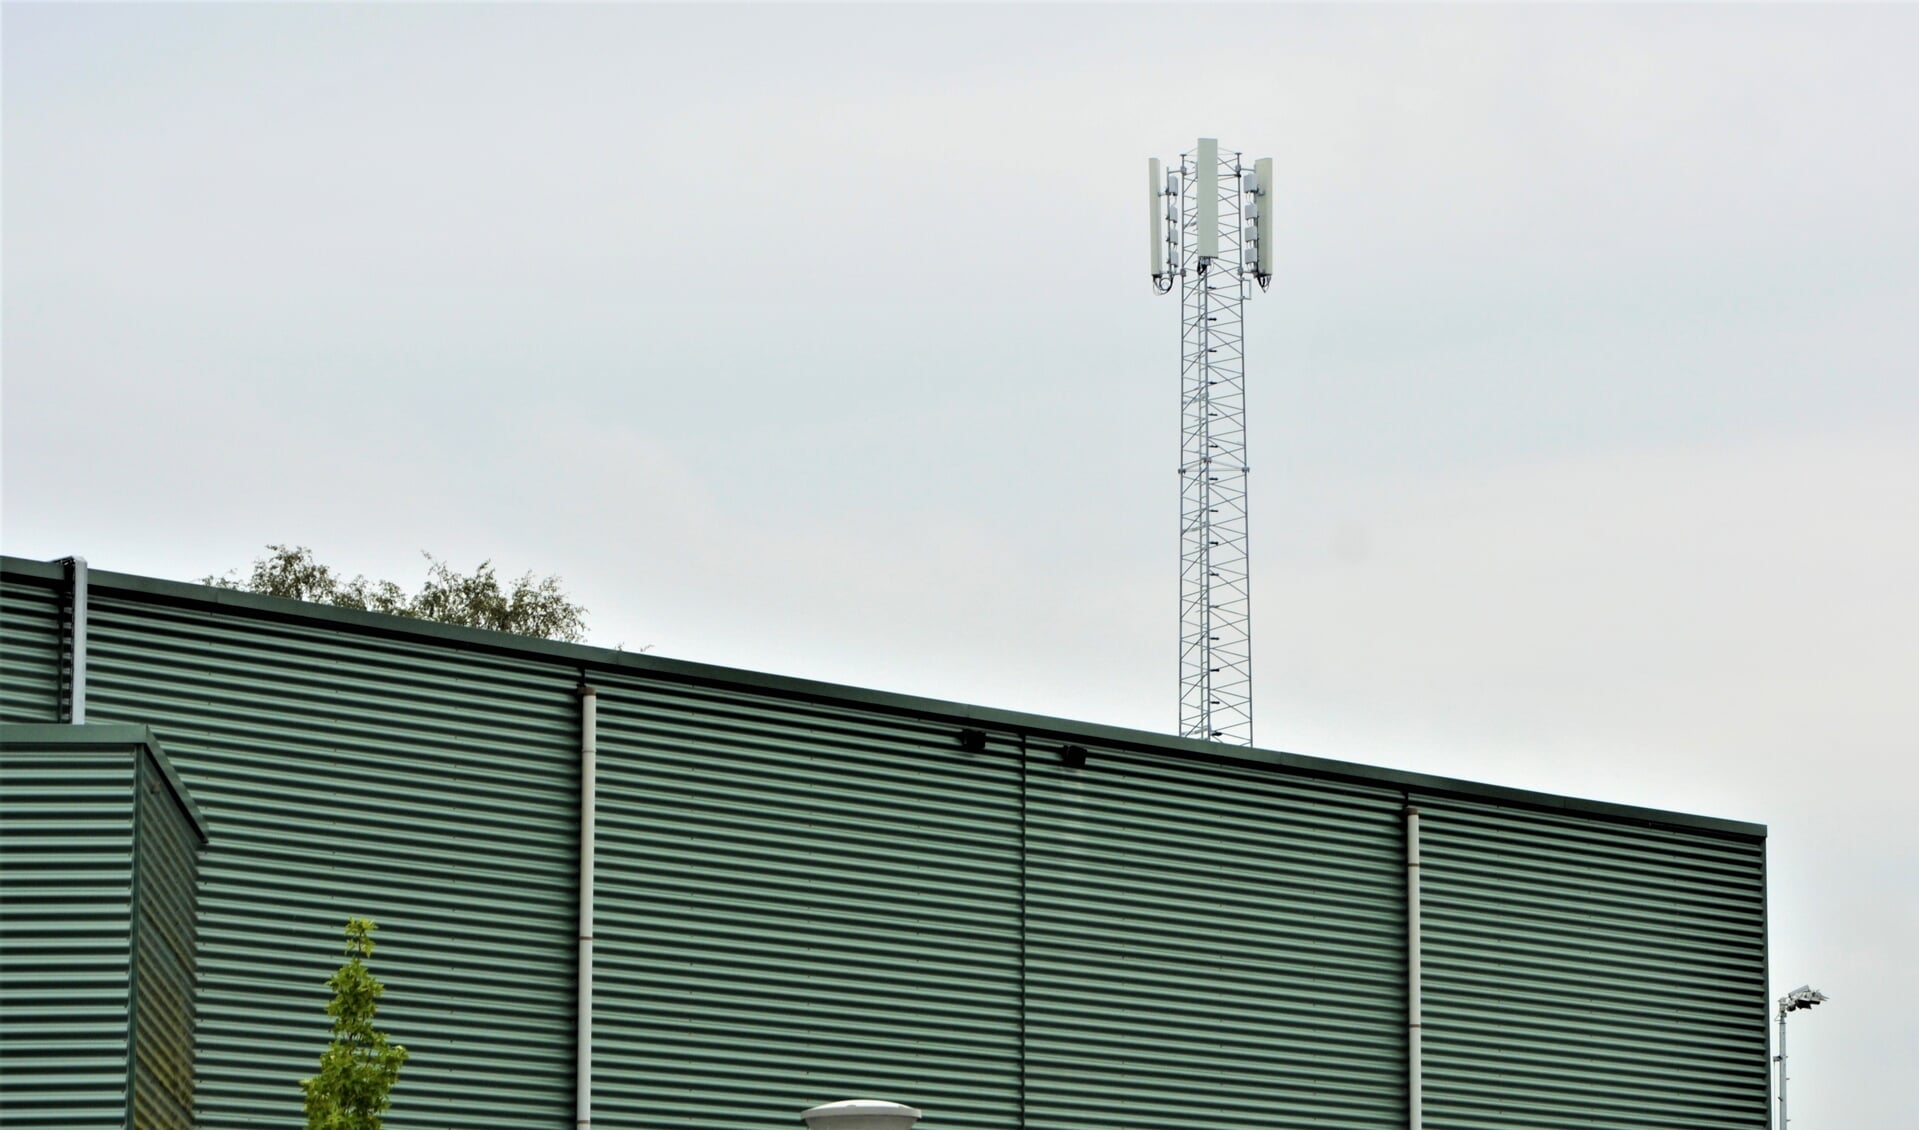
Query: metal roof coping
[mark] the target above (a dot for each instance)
(588, 656)
(108, 735)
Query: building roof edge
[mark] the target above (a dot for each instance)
(599, 658)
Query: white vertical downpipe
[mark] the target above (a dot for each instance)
(583, 1039)
(1415, 1099)
(76, 658)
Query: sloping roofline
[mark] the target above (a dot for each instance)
(588, 657)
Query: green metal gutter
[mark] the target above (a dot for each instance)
(1030, 725)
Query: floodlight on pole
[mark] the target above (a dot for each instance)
(1210, 223)
(1805, 996)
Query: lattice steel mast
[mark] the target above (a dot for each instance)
(1211, 235)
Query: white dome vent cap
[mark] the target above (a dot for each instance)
(861, 1114)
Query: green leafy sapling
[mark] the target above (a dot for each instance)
(359, 1068)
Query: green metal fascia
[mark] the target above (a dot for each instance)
(61, 859)
(1227, 943)
(798, 901)
(431, 788)
(107, 735)
(30, 638)
(167, 851)
(136, 935)
(67, 834)
(1031, 725)
(1583, 974)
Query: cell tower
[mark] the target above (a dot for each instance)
(1212, 225)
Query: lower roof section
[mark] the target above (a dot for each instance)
(101, 736)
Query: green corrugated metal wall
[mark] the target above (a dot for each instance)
(1211, 943)
(1153, 935)
(797, 903)
(1582, 973)
(165, 876)
(29, 650)
(97, 884)
(66, 834)
(432, 790)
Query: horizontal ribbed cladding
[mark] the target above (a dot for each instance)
(165, 866)
(29, 650)
(430, 788)
(1586, 972)
(1211, 943)
(66, 887)
(799, 903)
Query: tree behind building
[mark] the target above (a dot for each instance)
(524, 605)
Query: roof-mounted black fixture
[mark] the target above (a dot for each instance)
(972, 741)
(1073, 756)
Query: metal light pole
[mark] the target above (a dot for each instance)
(1805, 996)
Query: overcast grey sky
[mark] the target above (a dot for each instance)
(818, 341)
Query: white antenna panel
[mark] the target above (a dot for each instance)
(1155, 206)
(1263, 169)
(1206, 197)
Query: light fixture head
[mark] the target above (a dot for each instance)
(861, 1114)
(1805, 996)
